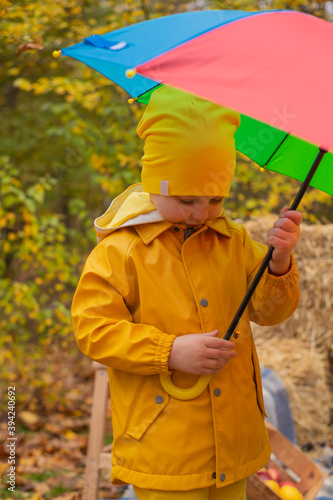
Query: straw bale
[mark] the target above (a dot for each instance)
(300, 350)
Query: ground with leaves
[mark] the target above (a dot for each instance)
(52, 435)
(52, 430)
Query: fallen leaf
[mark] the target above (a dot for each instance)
(68, 496)
(36, 496)
(70, 434)
(31, 420)
(3, 467)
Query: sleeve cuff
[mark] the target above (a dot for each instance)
(288, 278)
(162, 353)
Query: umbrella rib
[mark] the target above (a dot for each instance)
(140, 96)
(278, 147)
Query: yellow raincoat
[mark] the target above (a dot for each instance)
(143, 285)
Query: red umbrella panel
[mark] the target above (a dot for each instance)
(276, 68)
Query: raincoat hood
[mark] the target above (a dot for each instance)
(133, 208)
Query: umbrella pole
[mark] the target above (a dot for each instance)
(269, 254)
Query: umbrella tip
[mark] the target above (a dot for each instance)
(130, 101)
(56, 53)
(130, 72)
(262, 169)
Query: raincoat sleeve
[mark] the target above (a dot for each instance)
(103, 325)
(276, 297)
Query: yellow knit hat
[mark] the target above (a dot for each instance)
(189, 145)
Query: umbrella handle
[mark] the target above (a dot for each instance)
(198, 387)
(184, 394)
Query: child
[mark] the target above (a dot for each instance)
(157, 295)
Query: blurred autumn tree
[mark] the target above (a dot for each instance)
(68, 146)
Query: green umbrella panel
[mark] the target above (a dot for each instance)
(276, 150)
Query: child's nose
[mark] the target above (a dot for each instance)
(201, 214)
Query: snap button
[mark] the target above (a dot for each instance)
(159, 400)
(176, 229)
(217, 392)
(204, 302)
(222, 477)
(214, 475)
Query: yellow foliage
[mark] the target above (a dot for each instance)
(6, 247)
(5, 356)
(30, 230)
(34, 249)
(77, 129)
(69, 434)
(97, 161)
(27, 216)
(65, 297)
(4, 4)
(23, 84)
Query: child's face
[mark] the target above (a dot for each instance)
(191, 210)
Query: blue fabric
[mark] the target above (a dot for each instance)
(100, 41)
(277, 404)
(146, 40)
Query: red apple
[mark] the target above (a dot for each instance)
(263, 475)
(287, 483)
(274, 474)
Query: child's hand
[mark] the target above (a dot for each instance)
(200, 354)
(283, 237)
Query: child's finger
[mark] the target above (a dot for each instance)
(216, 343)
(221, 354)
(285, 224)
(214, 365)
(293, 215)
(284, 210)
(214, 333)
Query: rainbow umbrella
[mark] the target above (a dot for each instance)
(274, 67)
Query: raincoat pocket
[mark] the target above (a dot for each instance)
(150, 403)
(257, 380)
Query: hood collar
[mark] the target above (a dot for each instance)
(134, 208)
(148, 232)
(130, 208)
